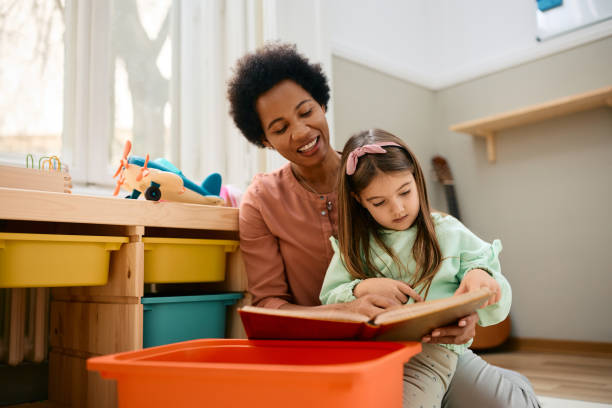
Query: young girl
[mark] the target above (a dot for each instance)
(390, 243)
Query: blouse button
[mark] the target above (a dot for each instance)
(323, 212)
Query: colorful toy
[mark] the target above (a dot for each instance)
(161, 180)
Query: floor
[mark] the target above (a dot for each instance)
(553, 402)
(576, 377)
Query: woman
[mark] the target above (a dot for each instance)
(278, 100)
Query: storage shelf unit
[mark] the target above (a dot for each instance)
(87, 321)
(488, 127)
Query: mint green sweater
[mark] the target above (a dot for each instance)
(462, 251)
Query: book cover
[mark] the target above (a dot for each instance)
(405, 323)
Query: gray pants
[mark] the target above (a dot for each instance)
(427, 376)
(477, 383)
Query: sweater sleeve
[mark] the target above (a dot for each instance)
(267, 281)
(338, 284)
(474, 253)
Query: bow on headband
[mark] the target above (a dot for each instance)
(376, 148)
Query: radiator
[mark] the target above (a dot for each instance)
(24, 322)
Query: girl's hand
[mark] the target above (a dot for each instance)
(370, 305)
(459, 333)
(476, 279)
(386, 287)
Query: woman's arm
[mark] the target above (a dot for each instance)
(267, 281)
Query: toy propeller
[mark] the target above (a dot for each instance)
(119, 183)
(123, 164)
(144, 171)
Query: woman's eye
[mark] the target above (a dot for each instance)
(307, 113)
(280, 131)
(378, 204)
(405, 192)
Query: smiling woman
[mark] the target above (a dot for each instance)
(278, 100)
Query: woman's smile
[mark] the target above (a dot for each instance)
(310, 147)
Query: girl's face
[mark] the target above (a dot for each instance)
(294, 124)
(392, 199)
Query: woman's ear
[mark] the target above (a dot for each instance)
(266, 143)
(356, 197)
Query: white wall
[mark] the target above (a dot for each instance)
(439, 43)
(366, 98)
(547, 196)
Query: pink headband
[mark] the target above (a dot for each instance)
(375, 148)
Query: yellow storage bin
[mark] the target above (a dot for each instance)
(175, 260)
(37, 260)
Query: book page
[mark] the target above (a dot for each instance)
(316, 314)
(472, 299)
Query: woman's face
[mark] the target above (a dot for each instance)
(294, 124)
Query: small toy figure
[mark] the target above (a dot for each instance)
(161, 180)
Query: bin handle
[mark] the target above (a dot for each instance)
(2, 244)
(112, 246)
(146, 308)
(231, 248)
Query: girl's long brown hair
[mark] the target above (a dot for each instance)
(356, 225)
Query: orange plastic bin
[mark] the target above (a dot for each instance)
(259, 373)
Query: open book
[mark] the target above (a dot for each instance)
(406, 323)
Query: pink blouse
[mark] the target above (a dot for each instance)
(284, 239)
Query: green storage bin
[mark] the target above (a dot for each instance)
(171, 319)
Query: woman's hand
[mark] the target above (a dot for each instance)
(386, 287)
(476, 279)
(460, 333)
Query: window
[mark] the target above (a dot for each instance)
(95, 73)
(31, 78)
(143, 66)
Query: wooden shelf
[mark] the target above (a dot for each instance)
(33, 205)
(489, 126)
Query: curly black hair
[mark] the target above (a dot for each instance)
(258, 72)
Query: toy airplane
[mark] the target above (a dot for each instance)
(161, 180)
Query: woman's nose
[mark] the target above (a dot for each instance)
(300, 131)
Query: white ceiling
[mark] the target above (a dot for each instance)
(439, 43)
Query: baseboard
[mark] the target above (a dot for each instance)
(559, 346)
(23, 383)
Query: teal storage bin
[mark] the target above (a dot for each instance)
(172, 319)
